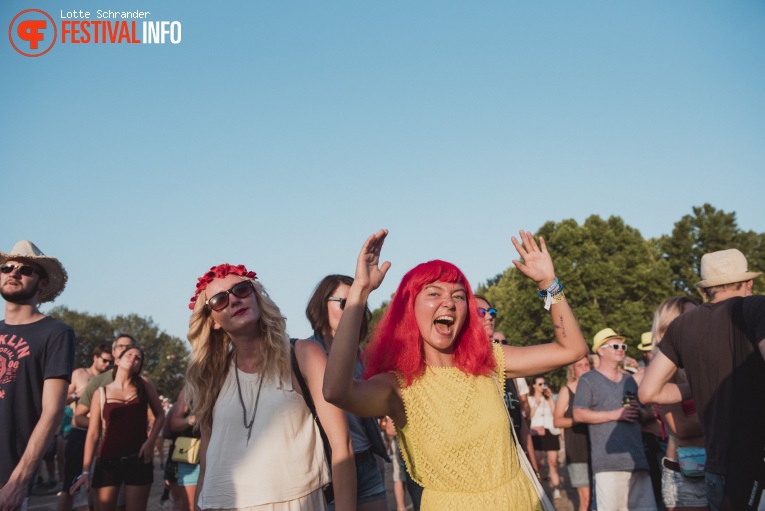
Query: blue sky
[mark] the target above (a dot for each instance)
(279, 134)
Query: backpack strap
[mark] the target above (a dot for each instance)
(329, 493)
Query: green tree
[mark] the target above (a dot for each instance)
(708, 230)
(165, 356)
(612, 277)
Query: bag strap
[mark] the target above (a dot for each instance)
(522, 459)
(328, 492)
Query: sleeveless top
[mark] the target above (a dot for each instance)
(457, 442)
(355, 424)
(577, 438)
(284, 458)
(126, 425)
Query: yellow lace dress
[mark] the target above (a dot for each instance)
(457, 442)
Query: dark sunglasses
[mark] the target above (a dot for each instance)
(482, 312)
(24, 269)
(219, 301)
(337, 299)
(501, 341)
(107, 360)
(617, 347)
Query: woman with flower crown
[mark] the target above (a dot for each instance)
(433, 370)
(260, 447)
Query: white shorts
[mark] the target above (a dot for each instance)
(624, 491)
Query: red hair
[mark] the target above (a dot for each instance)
(397, 344)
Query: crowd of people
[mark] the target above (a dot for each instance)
(269, 423)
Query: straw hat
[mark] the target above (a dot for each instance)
(604, 335)
(646, 342)
(27, 251)
(724, 267)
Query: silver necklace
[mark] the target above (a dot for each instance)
(248, 427)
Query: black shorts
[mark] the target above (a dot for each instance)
(73, 453)
(50, 452)
(114, 471)
(548, 442)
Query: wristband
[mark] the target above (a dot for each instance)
(550, 288)
(555, 297)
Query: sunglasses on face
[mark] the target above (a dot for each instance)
(337, 299)
(501, 341)
(618, 347)
(482, 312)
(107, 360)
(219, 301)
(24, 269)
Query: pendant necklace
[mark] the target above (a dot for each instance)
(248, 427)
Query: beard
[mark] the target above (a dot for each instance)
(20, 296)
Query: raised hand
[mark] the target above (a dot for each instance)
(537, 264)
(369, 272)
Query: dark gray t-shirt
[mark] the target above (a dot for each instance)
(29, 355)
(616, 445)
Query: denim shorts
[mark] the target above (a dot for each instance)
(369, 482)
(680, 491)
(188, 474)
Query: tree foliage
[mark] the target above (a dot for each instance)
(165, 356)
(612, 278)
(708, 230)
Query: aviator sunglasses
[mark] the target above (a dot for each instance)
(219, 301)
(482, 312)
(338, 299)
(24, 269)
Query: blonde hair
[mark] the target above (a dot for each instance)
(571, 372)
(212, 352)
(667, 311)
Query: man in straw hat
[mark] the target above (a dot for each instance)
(721, 345)
(606, 400)
(36, 360)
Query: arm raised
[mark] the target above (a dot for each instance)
(379, 395)
(569, 345)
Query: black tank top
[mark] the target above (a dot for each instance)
(577, 438)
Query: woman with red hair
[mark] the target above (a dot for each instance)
(433, 370)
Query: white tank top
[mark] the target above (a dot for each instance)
(284, 459)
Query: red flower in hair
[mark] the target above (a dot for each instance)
(218, 272)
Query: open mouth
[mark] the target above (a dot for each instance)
(444, 324)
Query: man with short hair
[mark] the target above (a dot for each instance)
(36, 359)
(606, 400)
(75, 440)
(721, 345)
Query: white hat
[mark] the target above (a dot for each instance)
(27, 251)
(724, 267)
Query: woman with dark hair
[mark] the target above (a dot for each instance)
(351, 438)
(260, 447)
(125, 453)
(431, 369)
(544, 435)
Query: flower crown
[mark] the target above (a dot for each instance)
(218, 272)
